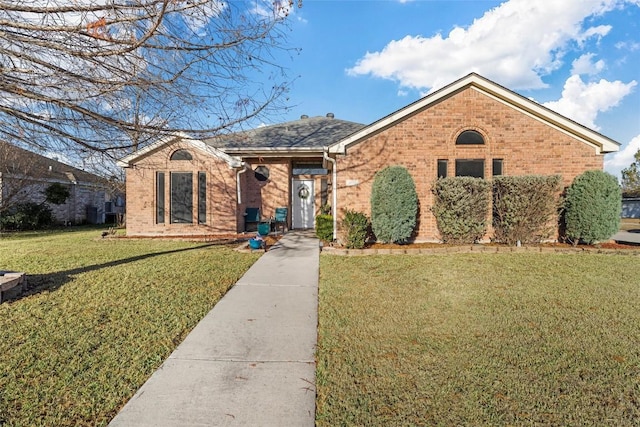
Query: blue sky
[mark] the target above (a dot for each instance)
(362, 60)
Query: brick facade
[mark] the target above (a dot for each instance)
(141, 183)
(525, 144)
(225, 213)
(525, 137)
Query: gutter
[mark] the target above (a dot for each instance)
(334, 192)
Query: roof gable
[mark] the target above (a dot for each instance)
(132, 158)
(599, 142)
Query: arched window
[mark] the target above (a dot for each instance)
(181, 155)
(470, 137)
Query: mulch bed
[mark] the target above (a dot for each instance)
(605, 245)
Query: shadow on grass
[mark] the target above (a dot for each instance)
(38, 283)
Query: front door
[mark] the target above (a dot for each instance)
(303, 205)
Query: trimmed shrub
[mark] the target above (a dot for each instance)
(57, 193)
(461, 205)
(324, 227)
(356, 226)
(394, 205)
(27, 216)
(523, 207)
(592, 207)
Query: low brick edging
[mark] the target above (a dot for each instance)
(11, 285)
(474, 249)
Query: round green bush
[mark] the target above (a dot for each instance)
(394, 205)
(593, 204)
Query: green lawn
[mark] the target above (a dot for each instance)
(105, 315)
(479, 340)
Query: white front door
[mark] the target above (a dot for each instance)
(303, 205)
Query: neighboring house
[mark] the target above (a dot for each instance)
(25, 175)
(472, 127)
(630, 207)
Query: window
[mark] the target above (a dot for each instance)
(159, 197)
(470, 167)
(442, 168)
(308, 169)
(181, 197)
(202, 197)
(181, 155)
(470, 137)
(497, 167)
(261, 173)
(324, 192)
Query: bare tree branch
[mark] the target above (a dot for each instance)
(109, 76)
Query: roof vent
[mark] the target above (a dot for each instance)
(304, 116)
(330, 115)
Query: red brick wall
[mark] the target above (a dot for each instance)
(276, 191)
(266, 195)
(526, 145)
(141, 194)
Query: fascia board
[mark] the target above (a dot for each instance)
(341, 146)
(232, 161)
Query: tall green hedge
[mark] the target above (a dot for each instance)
(523, 207)
(461, 206)
(592, 207)
(394, 205)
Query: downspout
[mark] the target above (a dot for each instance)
(334, 192)
(238, 190)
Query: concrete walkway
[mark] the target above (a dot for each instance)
(627, 237)
(250, 361)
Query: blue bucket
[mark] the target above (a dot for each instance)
(255, 244)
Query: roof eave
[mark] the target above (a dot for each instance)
(276, 151)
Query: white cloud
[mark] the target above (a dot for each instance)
(515, 44)
(615, 162)
(583, 101)
(628, 45)
(273, 10)
(585, 65)
(199, 15)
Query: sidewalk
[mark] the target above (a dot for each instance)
(250, 361)
(626, 237)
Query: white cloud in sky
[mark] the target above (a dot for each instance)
(585, 65)
(514, 44)
(628, 45)
(615, 162)
(582, 101)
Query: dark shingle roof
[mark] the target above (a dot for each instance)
(304, 134)
(16, 160)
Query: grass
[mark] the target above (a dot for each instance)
(104, 315)
(482, 340)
